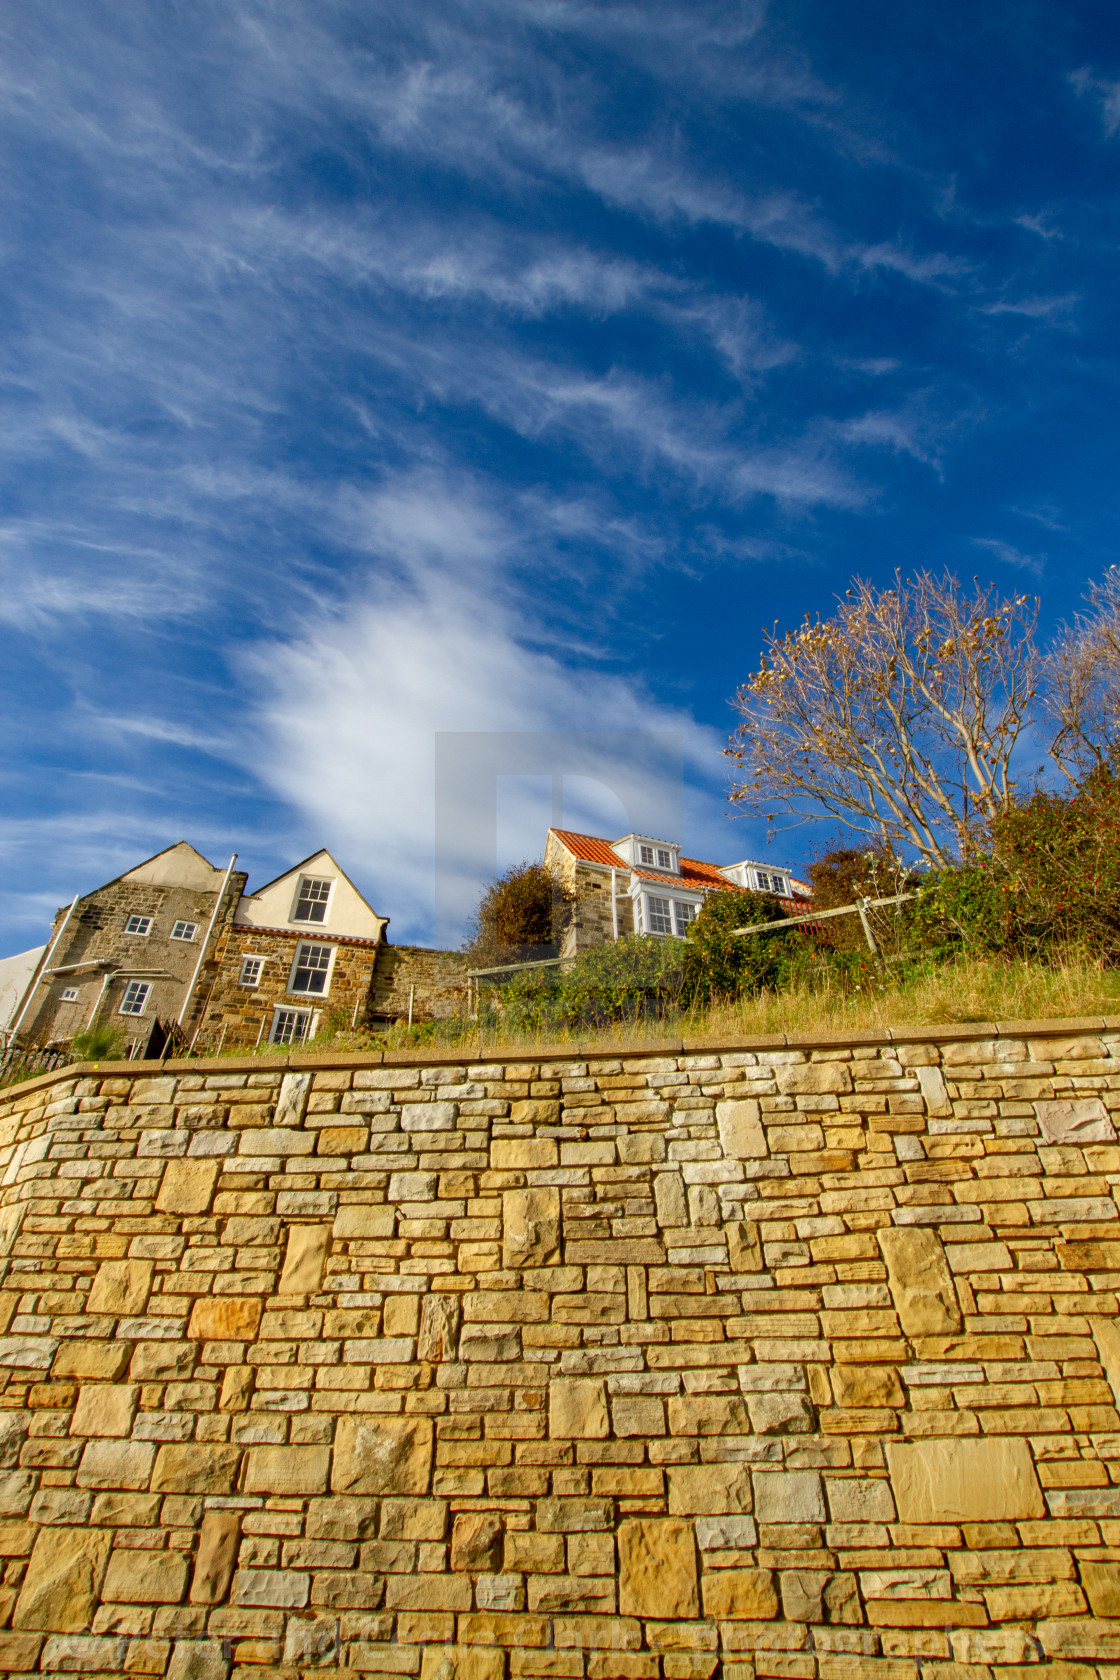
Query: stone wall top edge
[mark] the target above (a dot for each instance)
(947, 1033)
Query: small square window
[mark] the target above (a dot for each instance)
(290, 1026)
(778, 885)
(659, 919)
(682, 915)
(70, 994)
(311, 968)
(311, 900)
(763, 880)
(645, 854)
(184, 930)
(250, 971)
(664, 859)
(135, 997)
(141, 925)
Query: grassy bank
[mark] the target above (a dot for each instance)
(971, 989)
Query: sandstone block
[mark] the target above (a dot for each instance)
(272, 1589)
(1075, 1120)
(741, 1131)
(964, 1480)
(217, 1553)
(187, 1186)
(740, 1595)
(640, 1416)
(291, 1104)
(670, 1200)
(428, 1117)
(744, 1247)
(657, 1568)
(224, 1318)
(859, 1499)
(365, 1222)
(196, 1467)
(710, 1490)
(105, 1409)
(304, 1259)
(476, 1542)
(1106, 1334)
(382, 1455)
(920, 1279)
(708, 1414)
(311, 1641)
(530, 1227)
(788, 1496)
(524, 1154)
(462, 1662)
(440, 1318)
(867, 1385)
(98, 1361)
(198, 1659)
(577, 1409)
(781, 1414)
(145, 1578)
(1102, 1586)
(936, 1097)
(813, 1079)
(63, 1580)
(288, 1471)
(121, 1287)
(116, 1464)
(411, 1519)
(237, 1386)
(161, 1361)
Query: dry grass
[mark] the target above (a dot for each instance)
(972, 989)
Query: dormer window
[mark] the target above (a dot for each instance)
(664, 859)
(645, 854)
(771, 883)
(311, 899)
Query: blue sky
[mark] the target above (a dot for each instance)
(373, 371)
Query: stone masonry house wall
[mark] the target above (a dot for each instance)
(436, 981)
(241, 1012)
(94, 938)
(754, 1359)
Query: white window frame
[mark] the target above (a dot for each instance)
(664, 858)
(327, 973)
(779, 886)
(258, 973)
(143, 930)
(645, 855)
(69, 994)
(138, 991)
(662, 915)
(691, 911)
(312, 921)
(188, 937)
(282, 1011)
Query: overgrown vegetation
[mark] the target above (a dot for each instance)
(522, 917)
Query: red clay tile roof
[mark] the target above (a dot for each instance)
(694, 873)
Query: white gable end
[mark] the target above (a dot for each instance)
(314, 898)
(178, 866)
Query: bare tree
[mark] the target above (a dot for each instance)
(898, 715)
(1083, 682)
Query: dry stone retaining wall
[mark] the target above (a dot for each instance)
(769, 1359)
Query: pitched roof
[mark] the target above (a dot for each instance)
(694, 872)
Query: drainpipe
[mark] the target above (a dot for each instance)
(109, 975)
(205, 944)
(614, 901)
(34, 986)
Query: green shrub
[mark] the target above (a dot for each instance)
(717, 965)
(101, 1043)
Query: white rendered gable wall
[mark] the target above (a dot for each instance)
(348, 915)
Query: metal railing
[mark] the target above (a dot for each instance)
(859, 908)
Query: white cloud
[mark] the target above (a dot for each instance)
(1106, 94)
(347, 712)
(1008, 555)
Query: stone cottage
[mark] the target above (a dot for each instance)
(640, 884)
(130, 951)
(177, 947)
